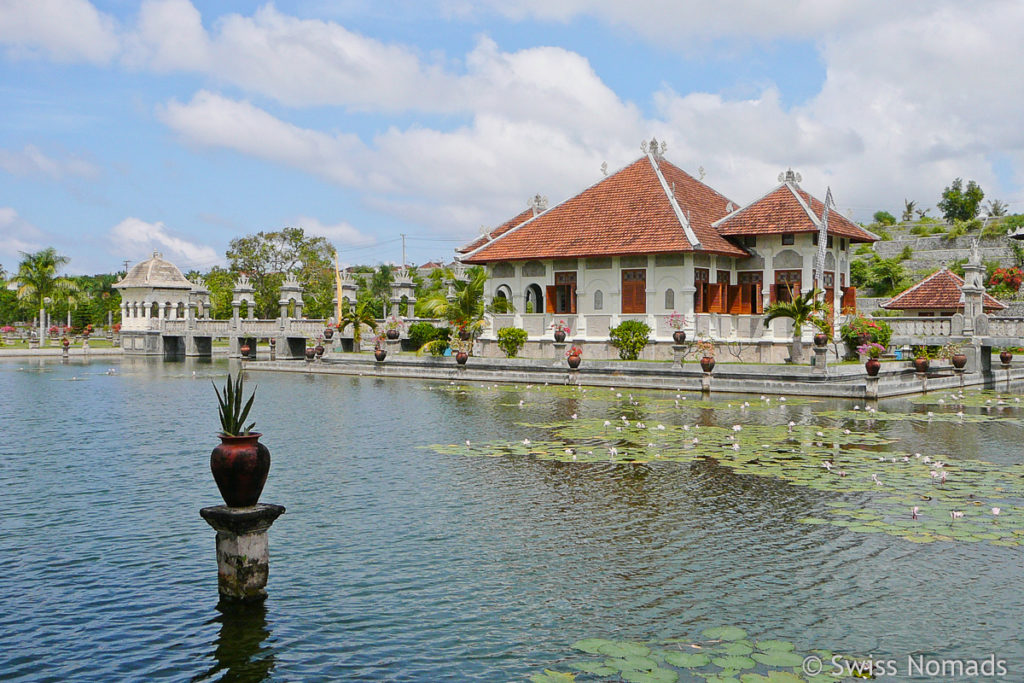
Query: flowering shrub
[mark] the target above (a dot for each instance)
(53, 329)
(8, 329)
(1006, 279)
(676, 321)
(560, 326)
(871, 350)
(574, 351)
(394, 323)
(117, 327)
(705, 348)
(862, 330)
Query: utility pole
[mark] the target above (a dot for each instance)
(126, 262)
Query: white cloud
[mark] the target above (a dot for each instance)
(64, 30)
(17, 234)
(343, 232)
(30, 161)
(136, 239)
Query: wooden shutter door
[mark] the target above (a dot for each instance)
(634, 291)
(549, 299)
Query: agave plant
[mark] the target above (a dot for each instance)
(232, 413)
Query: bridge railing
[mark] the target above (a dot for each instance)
(920, 327)
(1006, 327)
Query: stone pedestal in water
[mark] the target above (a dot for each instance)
(243, 559)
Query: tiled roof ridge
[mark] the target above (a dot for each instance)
(797, 192)
(688, 232)
(491, 242)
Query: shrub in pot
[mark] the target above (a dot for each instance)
(240, 463)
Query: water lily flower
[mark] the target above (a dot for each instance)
(917, 455)
(960, 414)
(520, 403)
(695, 440)
(913, 512)
(941, 400)
(842, 473)
(467, 442)
(926, 459)
(736, 428)
(996, 511)
(846, 431)
(526, 442)
(955, 514)
(819, 433)
(782, 398)
(874, 478)
(618, 429)
(930, 413)
(662, 427)
(856, 407)
(827, 465)
(573, 416)
(762, 397)
(735, 446)
(686, 428)
(607, 423)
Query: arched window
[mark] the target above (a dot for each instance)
(534, 299)
(598, 300)
(670, 300)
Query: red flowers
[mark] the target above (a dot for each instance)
(1007, 279)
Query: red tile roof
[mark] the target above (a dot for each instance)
(497, 232)
(939, 291)
(788, 208)
(629, 212)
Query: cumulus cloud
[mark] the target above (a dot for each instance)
(30, 161)
(343, 232)
(136, 239)
(63, 30)
(17, 234)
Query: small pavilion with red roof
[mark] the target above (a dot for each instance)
(939, 294)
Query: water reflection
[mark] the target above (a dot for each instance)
(239, 649)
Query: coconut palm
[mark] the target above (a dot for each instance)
(357, 316)
(37, 277)
(800, 309)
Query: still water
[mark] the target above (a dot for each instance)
(395, 562)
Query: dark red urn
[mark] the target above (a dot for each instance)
(328, 333)
(1005, 357)
(240, 465)
(392, 334)
(244, 350)
(820, 339)
(310, 354)
(573, 361)
(559, 336)
(380, 354)
(319, 350)
(461, 357)
(707, 363)
(921, 364)
(679, 336)
(959, 360)
(872, 365)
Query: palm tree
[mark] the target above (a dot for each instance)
(800, 309)
(908, 210)
(466, 310)
(357, 315)
(37, 278)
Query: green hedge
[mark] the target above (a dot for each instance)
(630, 338)
(511, 340)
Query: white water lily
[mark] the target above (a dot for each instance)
(913, 512)
(736, 428)
(955, 514)
(662, 427)
(526, 442)
(735, 446)
(573, 416)
(996, 511)
(846, 431)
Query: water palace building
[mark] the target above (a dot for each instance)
(651, 239)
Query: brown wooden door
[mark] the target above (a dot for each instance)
(634, 291)
(787, 284)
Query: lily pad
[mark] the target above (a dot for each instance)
(624, 648)
(550, 676)
(725, 633)
(778, 658)
(687, 660)
(779, 645)
(591, 645)
(659, 675)
(734, 662)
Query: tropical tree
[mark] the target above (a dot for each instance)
(908, 210)
(996, 208)
(801, 309)
(357, 315)
(37, 277)
(959, 203)
(466, 310)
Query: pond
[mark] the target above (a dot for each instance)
(551, 541)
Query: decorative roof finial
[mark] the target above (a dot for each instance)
(790, 176)
(653, 148)
(538, 204)
(604, 167)
(701, 173)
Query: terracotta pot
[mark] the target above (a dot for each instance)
(678, 336)
(820, 339)
(707, 363)
(310, 354)
(921, 364)
(574, 361)
(329, 333)
(873, 365)
(240, 465)
(319, 350)
(244, 350)
(461, 357)
(392, 334)
(959, 360)
(273, 341)
(1005, 357)
(65, 343)
(559, 336)
(380, 355)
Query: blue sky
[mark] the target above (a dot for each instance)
(178, 126)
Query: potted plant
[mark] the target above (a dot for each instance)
(801, 309)
(922, 358)
(573, 356)
(953, 351)
(561, 329)
(706, 349)
(1005, 355)
(329, 331)
(244, 349)
(379, 352)
(240, 463)
(65, 343)
(310, 354)
(460, 346)
(677, 322)
(873, 350)
(393, 326)
(824, 327)
(319, 348)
